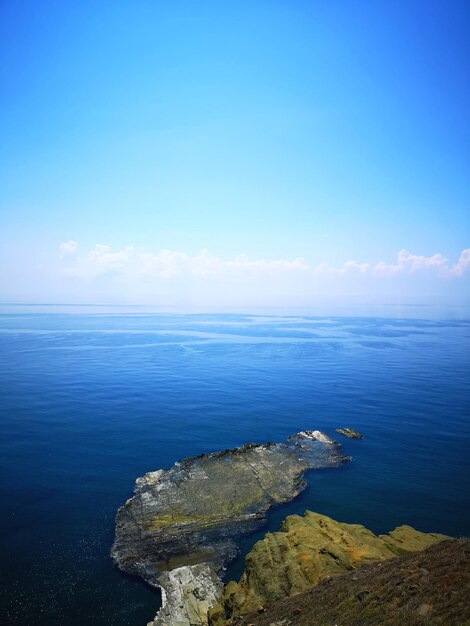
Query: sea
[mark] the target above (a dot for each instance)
(92, 397)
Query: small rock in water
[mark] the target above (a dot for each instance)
(350, 433)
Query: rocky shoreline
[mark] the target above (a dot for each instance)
(423, 588)
(306, 550)
(180, 528)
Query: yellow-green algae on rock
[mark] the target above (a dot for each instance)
(415, 589)
(306, 550)
(182, 525)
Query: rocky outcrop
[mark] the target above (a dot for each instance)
(188, 592)
(180, 528)
(305, 551)
(350, 433)
(425, 587)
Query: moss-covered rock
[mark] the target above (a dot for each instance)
(306, 550)
(427, 587)
(183, 523)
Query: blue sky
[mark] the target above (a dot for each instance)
(301, 135)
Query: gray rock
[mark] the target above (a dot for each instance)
(188, 592)
(180, 528)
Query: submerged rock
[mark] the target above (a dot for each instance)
(180, 528)
(305, 551)
(350, 433)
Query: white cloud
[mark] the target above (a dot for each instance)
(349, 266)
(68, 248)
(101, 260)
(166, 264)
(243, 263)
(462, 264)
(98, 261)
(408, 262)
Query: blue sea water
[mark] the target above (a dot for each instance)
(93, 398)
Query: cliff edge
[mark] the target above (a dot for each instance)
(425, 588)
(307, 550)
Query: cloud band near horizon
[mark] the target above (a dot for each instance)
(129, 262)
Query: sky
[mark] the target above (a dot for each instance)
(234, 153)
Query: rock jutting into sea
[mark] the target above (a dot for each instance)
(305, 551)
(179, 529)
(423, 588)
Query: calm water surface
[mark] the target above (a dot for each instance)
(90, 400)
